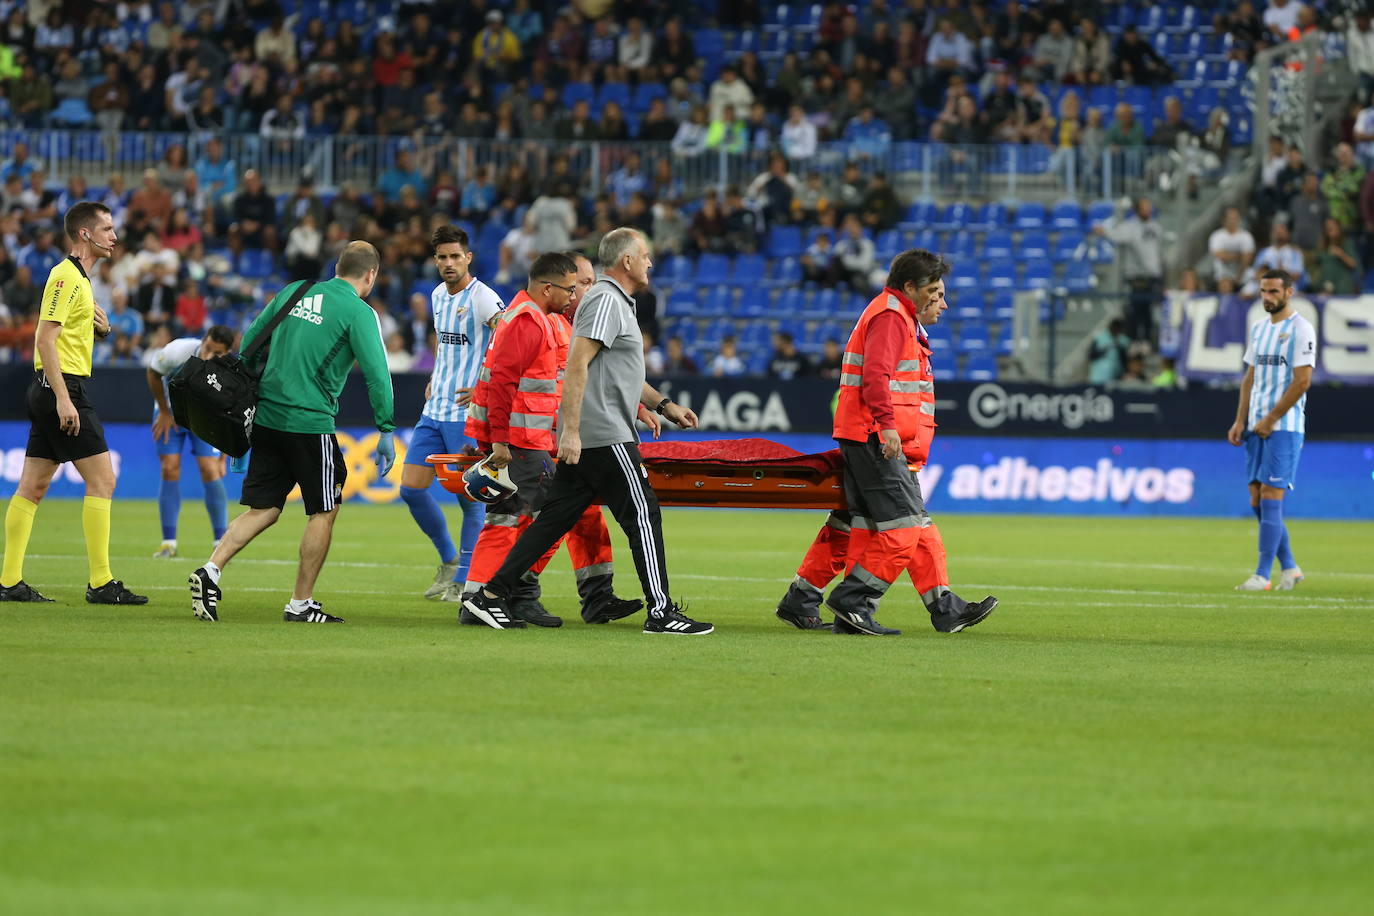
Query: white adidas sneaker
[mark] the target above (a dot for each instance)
(1256, 583)
(1288, 579)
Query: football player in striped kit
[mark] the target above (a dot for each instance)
(1270, 422)
(463, 309)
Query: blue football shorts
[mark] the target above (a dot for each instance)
(436, 437)
(1273, 462)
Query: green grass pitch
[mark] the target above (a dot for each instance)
(1126, 734)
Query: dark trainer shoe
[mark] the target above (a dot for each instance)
(800, 619)
(675, 622)
(613, 608)
(313, 613)
(861, 622)
(113, 592)
(491, 611)
(971, 614)
(205, 595)
(532, 611)
(21, 591)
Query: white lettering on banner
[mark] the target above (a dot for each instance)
(1348, 336)
(990, 405)
(1202, 358)
(740, 412)
(12, 466)
(1018, 479)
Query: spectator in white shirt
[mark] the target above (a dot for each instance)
(690, 139)
(1281, 16)
(1281, 254)
(727, 363)
(949, 49)
(1359, 50)
(1364, 135)
(798, 136)
(856, 255)
(636, 46)
(1232, 248)
(729, 89)
(1053, 52)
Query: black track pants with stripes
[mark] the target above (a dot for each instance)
(613, 476)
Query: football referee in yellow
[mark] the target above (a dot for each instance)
(63, 425)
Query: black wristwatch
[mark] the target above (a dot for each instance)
(662, 404)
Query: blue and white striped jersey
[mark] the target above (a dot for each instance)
(1275, 350)
(462, 324)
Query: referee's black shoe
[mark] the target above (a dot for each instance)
(491, 611)
(205, 595)
(613, 608)
(113, 592)
(861, 623)
(531, 610)
(677, 623)
(313, 613)
(21, 591)
(951, 619)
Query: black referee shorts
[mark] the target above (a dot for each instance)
(280, 461)
(46, 437)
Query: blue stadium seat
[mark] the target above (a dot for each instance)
(966, 279)
(713, 267)
(973, 337)
(613, 92)
(645, 94)
(998, 244)
(824, 304)
(960, 245)
(1039, 275)
(919, 214)
(1030, 215)
(1066, 214)
(1033, 245)
(1065, 244)
(1003, 305)
(785, 242)
(255, 263)
(1099, 211)
(679, 270)
(683, 301)
(792, 301)
(719, 300)
(954, 216)
(967, 306)
(888, 245)
(989, 216)
(754, 302)
(1001, 274)
(747, 269)
(944, 365)
(578, 92)
(980, 368)
(1079, 277)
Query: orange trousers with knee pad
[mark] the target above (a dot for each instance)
(589, 547)
(837, 548)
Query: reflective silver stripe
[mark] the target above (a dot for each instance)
(926, 386)
(858, 521)
(867, 578)
(908, 365)
(484, 374)
(932, 595)
(928, 408)
(805, 586)
(852, 359)
(503, 521)
(539, 385)
(925, 520)
(892, 524)
(832, 521)
(591, 572)
(531, 421)
(477, 412)
(892, 302)
(904, 387)
(850, 379)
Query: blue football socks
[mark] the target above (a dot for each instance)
(474, 517)
(1270, 534)
(169, 507)
(217, 504)
(427, 514)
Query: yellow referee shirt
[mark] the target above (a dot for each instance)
(68, 300)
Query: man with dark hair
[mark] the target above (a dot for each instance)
(63, 424)
(1271, 422)
(463, 310)
(302, 373)
(885, 407)
(826, 558)
(602, 392)
(172, 440)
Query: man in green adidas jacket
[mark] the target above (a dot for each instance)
(307, 363)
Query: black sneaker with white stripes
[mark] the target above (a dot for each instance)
(313, 613)
(205, 595)
(675, 622)
(21, 591)
(491, 611)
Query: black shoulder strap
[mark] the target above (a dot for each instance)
(266, 335)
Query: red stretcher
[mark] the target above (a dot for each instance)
(722, 473)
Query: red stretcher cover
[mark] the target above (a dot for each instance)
(726, 473)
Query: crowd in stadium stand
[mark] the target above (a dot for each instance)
(206, 238)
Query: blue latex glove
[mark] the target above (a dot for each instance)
(239, 465)
(386, 454)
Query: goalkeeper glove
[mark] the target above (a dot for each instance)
(386, 454)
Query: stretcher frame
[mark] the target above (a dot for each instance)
(706, 484)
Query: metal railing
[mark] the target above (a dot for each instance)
(919, 170)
